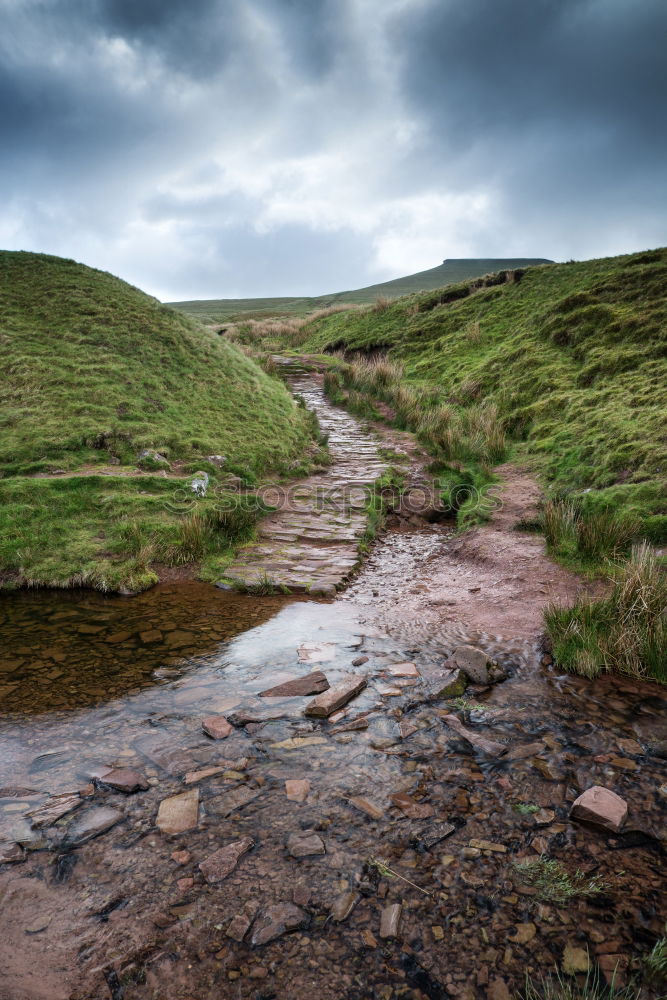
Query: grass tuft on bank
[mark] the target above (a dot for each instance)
(95, 373)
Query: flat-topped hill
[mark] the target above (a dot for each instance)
(447, 273)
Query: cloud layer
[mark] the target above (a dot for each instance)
(209, 148)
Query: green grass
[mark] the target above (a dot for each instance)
(96, 371)
(568, 365)
(558, 987)
(553, 884)
(626, 631)
(449, 272)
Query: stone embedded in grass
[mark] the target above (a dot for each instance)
(390, 920)
(217, 727)
(179, 813)
(313, 683)
(602, 807)
(473, 662)
(327, 703)
(219, 865)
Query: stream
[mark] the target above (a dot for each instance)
(89, 681)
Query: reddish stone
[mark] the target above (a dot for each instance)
(216, 726)
(412, 809)
(601, 807)
(326, 704)
(219, 865)
(181, 857)
(125, 780)
(313, 683)
(297, 790)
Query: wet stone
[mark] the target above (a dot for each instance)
(11, 854)
(297, 790)
(303, 845)
(238, 927)
(412, 809)
(433, 834)
(54, 809)
(602, 807)
(179, 813)
(473, 662)
(372, 810)
(390, 920)
(354, 726)
(125, 780)
(277, 920)
(486, 745)
(313, 683)
(326, 704)
(90, 824)
(227, 803)
(217, 727)
(219, 865)
(343, 905)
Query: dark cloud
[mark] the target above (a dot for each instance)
(212, 147)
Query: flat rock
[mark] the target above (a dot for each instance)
(91, 823)
(298, 742)
(432, 834)
(390, 920)
(316, 652)
(473, 662)
(355, 725)
(276, 920)
(370, 808)
(407, 669)
(343, 905)
(297, 790)
(179, 813)
(327, 703)
(490, 747)
(125, 780)
(219, 865)
(304, 845)
(54, 808)
(11, 854)
(217, 727)
(192, 777)
(412, 809)
(601, 807)
(227, 803)
(313, 683)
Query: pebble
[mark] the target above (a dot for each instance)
(412, 809)
(343, 905)
(238, 927)
(221, 864)
(217, 727)
(303, 845)
(179, 813)
(390, 920)
(276, 920)
(297, 790)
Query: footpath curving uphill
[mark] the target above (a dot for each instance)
(311, 542)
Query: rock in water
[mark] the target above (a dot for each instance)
(54, 808)
(343, 905)
(326, 704)
(217, 727)
(219, 865)
(277, 920)
(297, 790)
(179, 812)
(91, 824)
(125, 780)
(304, 845)
(473, 662)
(390, 920)
(601, 807)
(313, 683)
(490, 747)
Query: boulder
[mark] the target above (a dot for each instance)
(601, 807)
(199, 484)
(151, 459)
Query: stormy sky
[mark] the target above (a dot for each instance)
(221, 148)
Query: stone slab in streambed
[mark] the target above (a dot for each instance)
(313, 683)
(327, 703)
(179, 813)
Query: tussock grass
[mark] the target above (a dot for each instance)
(558, 987)
(592, 534)
(626, 631)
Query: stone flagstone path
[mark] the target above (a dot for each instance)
(311, 542)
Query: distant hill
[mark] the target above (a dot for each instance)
(449, 272)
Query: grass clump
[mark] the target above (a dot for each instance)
(556, 987)
(655, 963)
(553, 883)
(581, 534)
(101, 378)
(625, 631)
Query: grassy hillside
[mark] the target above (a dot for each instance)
(447, 273)
(571, 357)
(95, 371)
